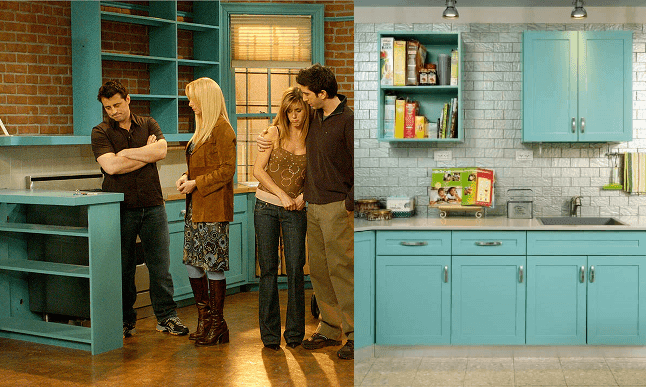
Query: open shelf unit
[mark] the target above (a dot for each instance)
(36, 230)
(431, 98)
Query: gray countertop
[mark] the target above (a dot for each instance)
(498, 223)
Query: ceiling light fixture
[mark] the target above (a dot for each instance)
(450, 12)
(578, 12)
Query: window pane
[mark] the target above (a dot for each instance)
(279, 82)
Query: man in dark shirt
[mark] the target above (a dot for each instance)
(329, 192)
(127, 147)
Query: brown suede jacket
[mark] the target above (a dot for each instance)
(212, 165)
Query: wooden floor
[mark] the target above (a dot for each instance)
(151, 358)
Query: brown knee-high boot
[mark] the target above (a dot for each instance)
(200, 288)
(219, 332)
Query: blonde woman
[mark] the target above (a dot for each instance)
(280, 207)
(208, 185)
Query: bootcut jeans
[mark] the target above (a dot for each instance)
(269, 220)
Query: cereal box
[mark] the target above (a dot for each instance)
(387, 61)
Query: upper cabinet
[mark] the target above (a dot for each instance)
(431, 100)
(577, 86)
(154, 49)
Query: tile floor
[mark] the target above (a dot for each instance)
(503, 366)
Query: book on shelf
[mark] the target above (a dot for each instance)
(415, 59)
(454, 118)
(399, 117)
(421, 127)
(445, 114)
(389, 116)
(455, 67)
(386, 57)
(409, 118)
(399, 58)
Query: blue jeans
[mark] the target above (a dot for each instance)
(151, 224)
(269, 220)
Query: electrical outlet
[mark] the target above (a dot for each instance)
(442, 155)
(524, 155)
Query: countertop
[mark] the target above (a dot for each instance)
(170, 193)
(498, 223)
(57, 198)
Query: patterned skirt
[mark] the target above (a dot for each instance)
(206, 245)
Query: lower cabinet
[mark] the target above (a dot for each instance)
(488, 300)
(413, 300)
(586, 299)
(364, 288)
(502, 287)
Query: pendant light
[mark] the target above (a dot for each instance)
(578, 12)
(450, 12)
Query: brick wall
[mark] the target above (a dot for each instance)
(492, 86)
(36, 67)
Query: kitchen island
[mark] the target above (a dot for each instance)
(498, 281)
(53, 241)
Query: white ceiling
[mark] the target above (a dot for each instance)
(498, 3)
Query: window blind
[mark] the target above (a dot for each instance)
(276, 41)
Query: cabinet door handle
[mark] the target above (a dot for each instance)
(490, 243)
(573, 125)
(582, 125)
(446, 274)
(520, 275)
(420, 243)
(582, 272)
(591, 274)
(182, 213)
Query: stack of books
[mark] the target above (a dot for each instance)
(447, 124)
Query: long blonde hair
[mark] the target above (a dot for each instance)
(207, 94)
(290, 95)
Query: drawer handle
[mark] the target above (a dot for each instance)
(520, 274)
(582, 271)
(182, 213)
(420, 243)
(582, 125)
(591, 274)
(573, 125)
(446, 274)
(492, 243)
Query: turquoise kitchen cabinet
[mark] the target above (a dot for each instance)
(413, 290)
(62, 239)
(556, 300)
(577, 86)
(594, 297)
(488, 300)
(238, 245)
(364, 288)
(175, 211)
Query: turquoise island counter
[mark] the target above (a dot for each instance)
(52, 240)
(498, 281)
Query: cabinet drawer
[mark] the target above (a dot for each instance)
(175, 210)
(489, 242)
(586, 242)
(413, 243)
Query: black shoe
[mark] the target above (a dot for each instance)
(319, 341)
(172, 325)
(128, 329)
(293, 344)
(347, 351)
(274, 347)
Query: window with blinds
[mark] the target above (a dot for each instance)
(271, 41)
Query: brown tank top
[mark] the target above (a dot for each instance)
(287, 170)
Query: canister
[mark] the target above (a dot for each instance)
(520, 203)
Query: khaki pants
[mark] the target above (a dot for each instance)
(330, 239)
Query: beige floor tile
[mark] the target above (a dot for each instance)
(495, 363)
(539, 377)
(397, 364)
(626, 363)
(588, 377)
(381, 378)
(361, 369)
(439, 378)
(630, 377)
(443, 364)
(486, 377)
(536, 363)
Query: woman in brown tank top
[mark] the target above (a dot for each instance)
(280, 211)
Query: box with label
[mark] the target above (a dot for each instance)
(465, 186)
(399, 63)
(387, 63)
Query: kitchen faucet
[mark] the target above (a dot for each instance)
(575, 204)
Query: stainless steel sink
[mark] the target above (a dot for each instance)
(580, 221)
